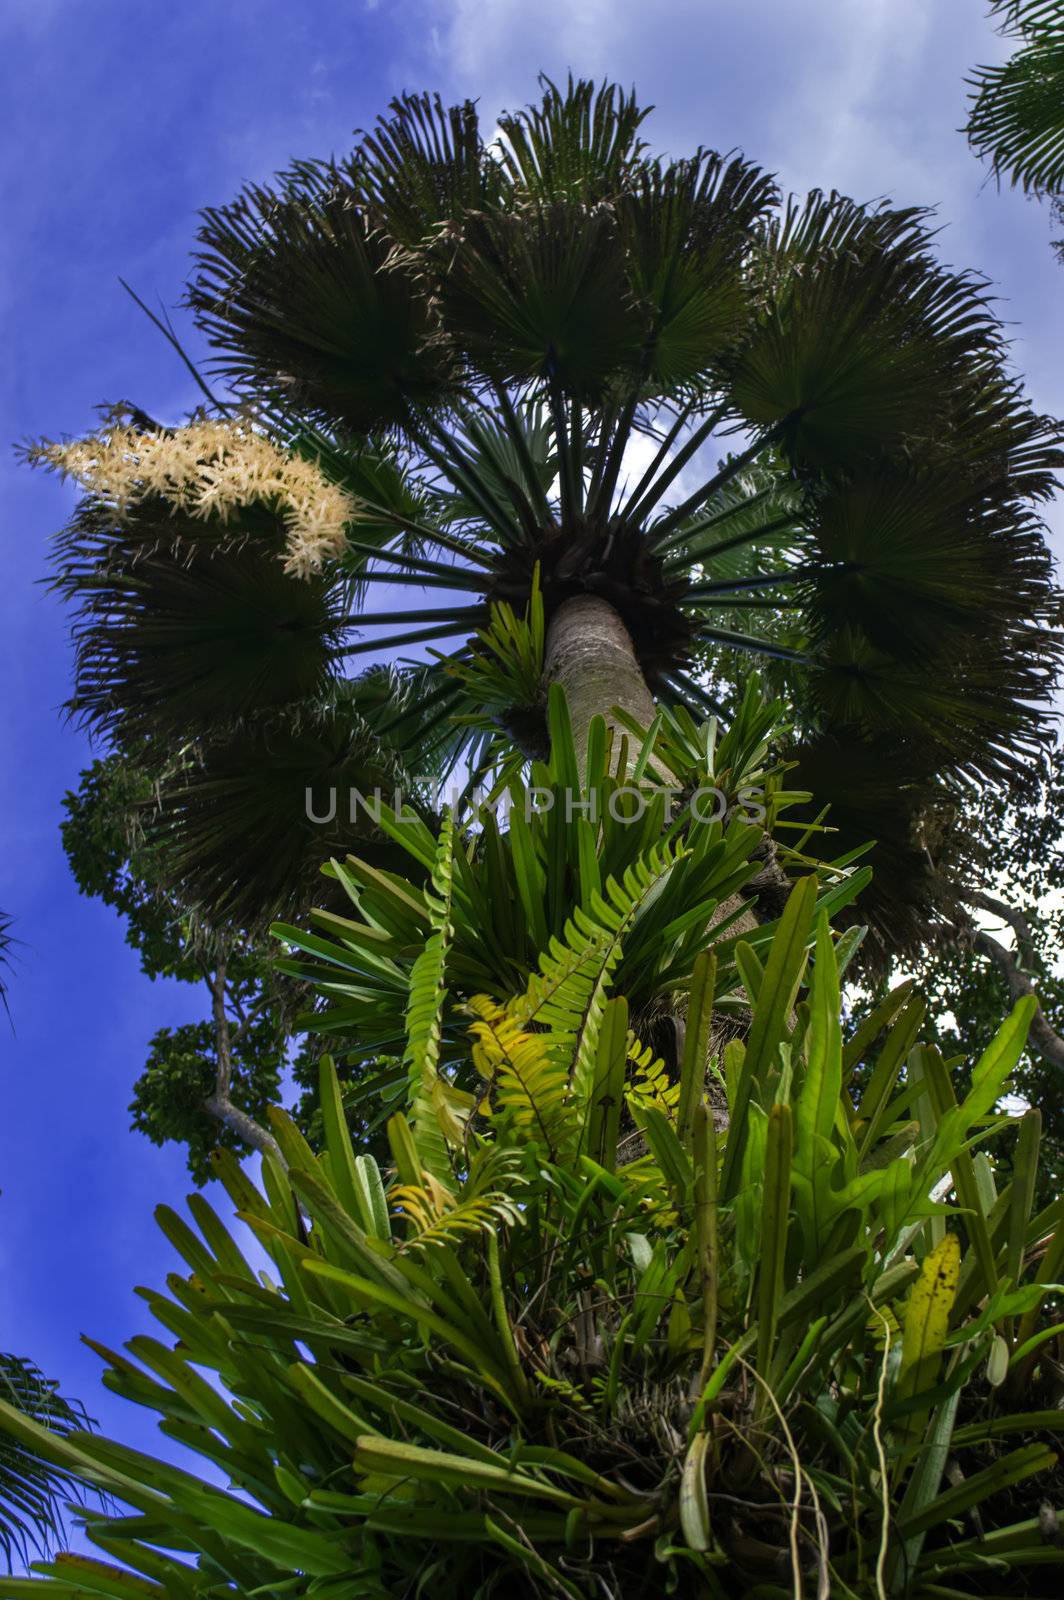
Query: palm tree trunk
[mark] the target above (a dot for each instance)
(590, 653)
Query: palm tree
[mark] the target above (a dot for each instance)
(1017, 120)
(705, 426)
(33, 1490)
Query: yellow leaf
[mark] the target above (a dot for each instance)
(694, 1499)
(927, 1316)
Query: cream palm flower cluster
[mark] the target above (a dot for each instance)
(211, 468)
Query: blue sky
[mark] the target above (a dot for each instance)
(122, 121)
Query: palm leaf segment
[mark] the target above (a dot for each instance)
(222, 675)
(474, 339)
(7, 939)
(33, 1492)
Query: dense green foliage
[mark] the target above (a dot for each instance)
(580, 1340)
(1022, 843)
(529, 887)
(468, 339)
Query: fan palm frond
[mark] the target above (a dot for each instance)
(6, 942)
(182, 625)
(900, 821)
(1016, 121)
(686, 227)
(425, 161)
(296, 292)
(863, 334)
(243, 824)
(579, 140)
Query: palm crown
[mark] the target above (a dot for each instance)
(509, 361)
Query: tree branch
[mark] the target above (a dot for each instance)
(1045, 1039)
(1015, 919)
(218, 1103)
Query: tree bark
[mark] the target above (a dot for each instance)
(219, 1103)
(589, 651)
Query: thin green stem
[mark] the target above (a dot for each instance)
(566, 481)
(449, 463)
(736, 506)
(726, 604)
(433, 535)
(661, 455)
(166, 329)
(761, 580)
(608, 419)
(685, 688)
(538, 497)
(376, 619)
(704, 1161)
(576, 426)
(480, 435)
(422, 579)
(417, 565)
(502, 1321)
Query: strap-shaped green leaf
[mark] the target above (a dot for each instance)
(775, 1002)
(775, 1218)
(698, 1027)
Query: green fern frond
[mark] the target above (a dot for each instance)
(538, 1050)
(528, 1076)
(441, 1217)
(568, 997)
(434, 1114)
(650, 1084)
